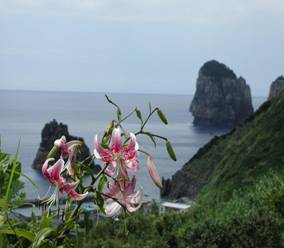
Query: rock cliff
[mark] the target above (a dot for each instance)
(52, 131)
(221, 99)
(276, 87)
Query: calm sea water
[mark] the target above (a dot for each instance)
(23, 114)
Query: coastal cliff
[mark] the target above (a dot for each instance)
(221, 99)
(234, 160)
(52, 131)
(276, 87)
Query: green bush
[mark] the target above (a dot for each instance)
(252, 218)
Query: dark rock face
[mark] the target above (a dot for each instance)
(188, 185)
(276, 87)
(221, 99)
(52, 131)
(187, 182)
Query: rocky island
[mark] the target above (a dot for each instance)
(52, 131)
(276, 87)
(221, 99)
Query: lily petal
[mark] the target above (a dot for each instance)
(111, 168)
(112, 208)
(60, 142)
(97, 155)
(70, 162)
(132, 165)
(67, 187)
(77, 196)
(73, 143)
(99, 151)
(153, 172)
(54, 172)
(45, 166)
(116, 139)
(134, 201)
(133, 145)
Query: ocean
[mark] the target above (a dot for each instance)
(23, 114)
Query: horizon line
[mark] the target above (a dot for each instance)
(104, 92)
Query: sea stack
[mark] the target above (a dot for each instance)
(52, 131)
(276, 87)
(221, 99)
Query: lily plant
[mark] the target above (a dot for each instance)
(114, 188)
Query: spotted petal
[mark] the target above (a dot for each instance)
(68, 187)
(77, 196)
(54, 172)
(45, 166)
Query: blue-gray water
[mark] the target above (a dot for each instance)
(23, 114)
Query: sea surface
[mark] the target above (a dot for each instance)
(23, 114)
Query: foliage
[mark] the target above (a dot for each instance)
(10, 185)
(249, 219)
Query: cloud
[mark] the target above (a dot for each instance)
(146, 10)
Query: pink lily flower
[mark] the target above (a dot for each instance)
(117, 153)
(122, 193)
(69, 189)
(53, 174)
(66, 148)
(153, 172)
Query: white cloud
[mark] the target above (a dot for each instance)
(146, 10)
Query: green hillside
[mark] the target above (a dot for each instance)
(237, 159)
(252, 219)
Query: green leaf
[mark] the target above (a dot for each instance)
(41, 235)
(3, 204)
(45, 221)
(52, 153)
(99, 200)
(171, 151)
(119, 115)
(14, 166)
(102, 183)
(9, 187)
(110, 128)
(19, 232)
(138, 114)
(162, 116)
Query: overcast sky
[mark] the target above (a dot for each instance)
(141, 46)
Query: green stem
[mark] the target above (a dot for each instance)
(128, 115)
(148, 117)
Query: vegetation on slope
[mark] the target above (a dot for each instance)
(237, 159)
(249, 219)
